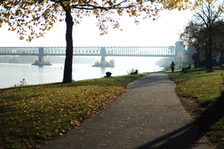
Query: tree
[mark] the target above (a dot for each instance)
(206, 16)
(201, 31)
(32, 18)
(219, 40)
(193, 36)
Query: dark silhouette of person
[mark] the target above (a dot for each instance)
(189, 67)
(172, 65)
(186, 69)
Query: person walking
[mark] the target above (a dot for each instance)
(172, 65)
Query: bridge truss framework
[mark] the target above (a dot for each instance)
(147, 51)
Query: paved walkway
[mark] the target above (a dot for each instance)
(148, 116)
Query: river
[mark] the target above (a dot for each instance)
(11, 74)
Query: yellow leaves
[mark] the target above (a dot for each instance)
(134, 13)
(18, 12)
(120, 12)
(196, 5)
(74, 122)
(12, 29)
(210, 1)
(40, 9)
(221, 8)
(104, 33)
(29, 39)
(144, 9)
(34, 13)
(21, 38)
(26, 17)
(27, 10)
(66, 4)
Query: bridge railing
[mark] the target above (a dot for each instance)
(140, 51)
(90, 51)
(18, 50)
(76, 50)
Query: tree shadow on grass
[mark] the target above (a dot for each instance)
(188, 136)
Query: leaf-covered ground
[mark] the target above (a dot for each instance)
(31, 114)
(207, 89)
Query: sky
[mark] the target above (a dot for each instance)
(164, 31)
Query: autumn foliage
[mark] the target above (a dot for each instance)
(32, 18)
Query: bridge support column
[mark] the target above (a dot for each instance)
(103, 55)
(41, 55)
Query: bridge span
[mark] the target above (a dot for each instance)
(146, 51)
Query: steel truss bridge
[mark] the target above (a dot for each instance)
(147, 51)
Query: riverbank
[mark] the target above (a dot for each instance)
(202, 96)
(31, 114)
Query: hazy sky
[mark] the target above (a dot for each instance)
(162, 32)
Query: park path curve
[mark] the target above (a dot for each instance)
(148, 116)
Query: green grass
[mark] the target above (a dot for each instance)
(206, 89)
(31, 114)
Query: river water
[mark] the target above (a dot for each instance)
(12, 74)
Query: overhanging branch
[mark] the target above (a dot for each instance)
(88, 6)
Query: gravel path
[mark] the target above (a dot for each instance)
(148, 116)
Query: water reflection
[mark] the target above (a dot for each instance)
(102, 70)
(40, 73)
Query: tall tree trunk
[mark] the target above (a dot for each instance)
(210, 62)
(69, 48)
(198, 60)
(222, 58)
(206, 57)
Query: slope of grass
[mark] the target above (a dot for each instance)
(208, 91)
(204, 87)
(31, 114)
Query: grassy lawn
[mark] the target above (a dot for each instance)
(31, 114)
(207, 90)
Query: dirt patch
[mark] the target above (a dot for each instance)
(195, 110)
(191, 106)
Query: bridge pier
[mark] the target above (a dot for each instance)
(103, 62)
(103, 55)
(40, 61)
(41, 55)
